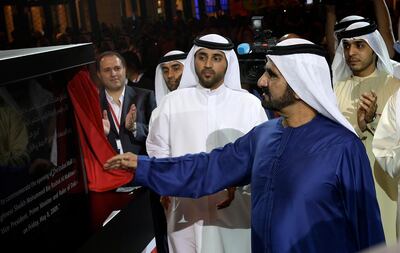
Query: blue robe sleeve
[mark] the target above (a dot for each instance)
(359, 197)
(196, 175)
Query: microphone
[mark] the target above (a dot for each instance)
(243, 48)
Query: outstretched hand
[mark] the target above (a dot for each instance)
(126, 161)
(231, 196)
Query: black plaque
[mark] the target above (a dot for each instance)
(43, 195)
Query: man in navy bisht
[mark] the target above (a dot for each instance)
(312, 187)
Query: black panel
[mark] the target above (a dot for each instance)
(43, 198)
(130, 231)
(21, 64)
(44, 202)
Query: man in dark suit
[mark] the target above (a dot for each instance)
(126, 110)
(126, 116)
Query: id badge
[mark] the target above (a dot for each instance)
(119, 146)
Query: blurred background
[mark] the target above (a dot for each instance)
(150, 28)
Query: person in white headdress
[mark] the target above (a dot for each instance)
(382, 17)
(363, 82)
(208, 110)
(386, 144)
(312, 186)
(388, 39)
(343, 24)
(169, 73)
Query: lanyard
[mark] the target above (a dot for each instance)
(114, 116)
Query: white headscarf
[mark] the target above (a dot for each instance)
(161, 88)
(232, 75)
(308, 75)
(344, 23)
(341, 71)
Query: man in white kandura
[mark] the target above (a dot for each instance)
(386, 145)
(208, 110)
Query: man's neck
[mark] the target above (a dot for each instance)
(297, 114)
(215, 86)
(365, 72)
(116, 94)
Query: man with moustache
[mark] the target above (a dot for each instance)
(208, 110)
(312, 188)
(363, 82)
(169, 73)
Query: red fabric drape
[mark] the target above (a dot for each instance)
(96, 149)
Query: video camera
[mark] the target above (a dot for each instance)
(252, 57)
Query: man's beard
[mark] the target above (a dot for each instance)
(174, 85)
(211, 82)
(288, 98)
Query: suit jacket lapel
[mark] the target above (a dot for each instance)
(103, 99)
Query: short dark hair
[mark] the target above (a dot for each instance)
(109, 53)
(132, 61)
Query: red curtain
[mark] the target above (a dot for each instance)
(96, 149)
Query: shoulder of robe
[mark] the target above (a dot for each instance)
(393, 83)
(338, 85)
(246, 95)
(175, 95)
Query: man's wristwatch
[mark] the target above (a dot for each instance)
(133, 129)
(373, 118)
